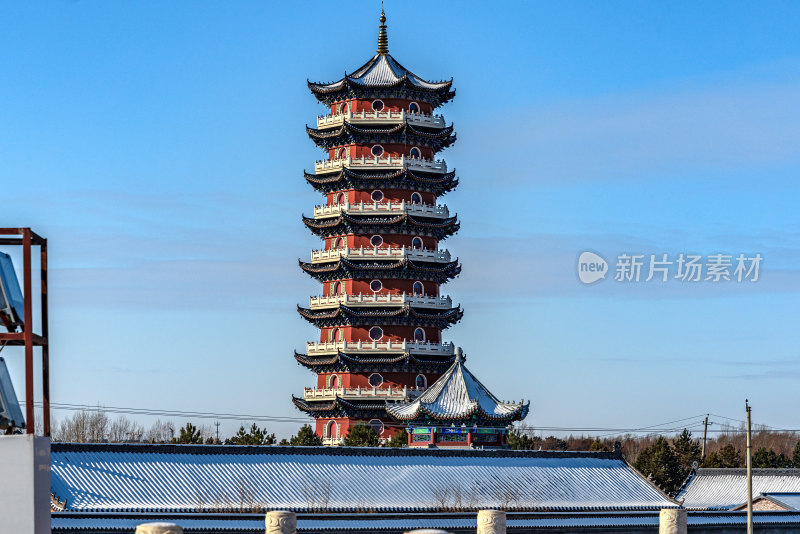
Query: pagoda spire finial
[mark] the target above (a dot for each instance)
(383, 39)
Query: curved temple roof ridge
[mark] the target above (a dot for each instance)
(381, 71)
(458, 394)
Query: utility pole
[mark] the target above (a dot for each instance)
(216, 423)
(749, 473)
(705, 434)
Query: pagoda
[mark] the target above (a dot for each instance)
(457, 411)
(381, 313)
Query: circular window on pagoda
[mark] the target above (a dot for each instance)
(377, 195)
(377, 105)
(417, 289)
(416, 243)
(375, 380)
(376, 285)
(419, 335)
(413, 107)
(376, 240)
(377, 426)
(375, 334)
(415, 153)
(422, 382)
(416, 198)
(377, 150)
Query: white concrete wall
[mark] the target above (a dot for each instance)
(25, 484)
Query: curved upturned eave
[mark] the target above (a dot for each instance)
(438, 184)
(313, 268)
(436, 142)
(344, 89)
(349, 82)
(342, 361)
(338, 405)
(343, 315)
(401, 224)
(400, 128)
(517, 415)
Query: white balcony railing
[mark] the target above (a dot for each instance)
(382, 208)
(380, 117)
(396, 394)
(379, 253)
(381, 300)
(386, 163)
(377, 347)
(332, 442)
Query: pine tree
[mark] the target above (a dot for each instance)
(256, 436)
(767, 458)
(189, 434)
(598, 446)
(552, 443)
(712, 461)
(361, 435)
(519, 439)
(730, 456)
(796, 456)
(305, 437)
(659, 462)
(687, 450)
(399, 440)
(762, 458)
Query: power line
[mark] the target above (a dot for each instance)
(598, 431)
(171, 413)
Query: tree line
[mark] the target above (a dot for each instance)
(95, 426)
(668, 461)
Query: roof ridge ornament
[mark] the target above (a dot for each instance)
(383, 39)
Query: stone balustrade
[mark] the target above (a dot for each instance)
(383, 163)
(381, 300)
(379, 253)
(396, 394)
(381, 208)
(376, 347)
(380, 117)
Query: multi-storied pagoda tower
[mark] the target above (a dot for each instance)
(381, 313)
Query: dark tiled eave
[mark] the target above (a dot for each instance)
(323, 451)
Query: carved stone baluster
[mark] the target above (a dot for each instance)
(491, 522)
(159, 528)
(281, 522)
(672, 521)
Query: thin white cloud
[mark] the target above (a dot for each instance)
(638, 136)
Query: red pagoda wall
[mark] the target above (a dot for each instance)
(362, 286)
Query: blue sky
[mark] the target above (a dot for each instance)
(160, 148)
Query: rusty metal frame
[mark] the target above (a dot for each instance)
(27, 239)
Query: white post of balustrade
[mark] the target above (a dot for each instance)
(280, 522)
(491, 522)
(672, 521)
(159, 528)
